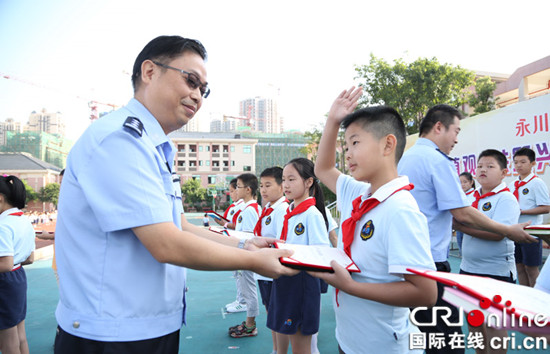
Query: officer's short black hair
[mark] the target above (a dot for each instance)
(439, 113)
(165, 48)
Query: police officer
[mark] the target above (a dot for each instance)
(119, 241)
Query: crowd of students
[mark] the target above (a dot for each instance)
(397, 209)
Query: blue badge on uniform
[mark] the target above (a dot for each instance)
(240, 219)
(367, 230)
(268, 220)
(299, 229)
(486, 206)
(134, 124)
(232, 212)
(525, 191)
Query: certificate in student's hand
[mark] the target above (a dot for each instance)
(239, 234)
(507, 305)
(540, 231)
(216, 216)
(217, 229)
(316, 258)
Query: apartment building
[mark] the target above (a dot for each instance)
(214, 158)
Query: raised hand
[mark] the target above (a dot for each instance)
(345, 104)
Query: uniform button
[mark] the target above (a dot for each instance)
(76, 324)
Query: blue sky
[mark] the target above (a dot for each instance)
(76, 51)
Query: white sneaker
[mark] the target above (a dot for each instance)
(232, 304)
(238, 308)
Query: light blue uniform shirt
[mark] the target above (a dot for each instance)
(436, 190)
(111, 288)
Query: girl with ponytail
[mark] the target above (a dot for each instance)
(16, 249)
(295, 302)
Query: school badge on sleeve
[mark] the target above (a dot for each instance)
(268, 220)
(240, 219)
(487, 206)
(299, 229)
(367, 230)
(525, 191)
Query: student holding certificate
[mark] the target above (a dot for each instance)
(383, 230)
(295, 303)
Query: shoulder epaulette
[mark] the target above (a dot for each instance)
(134, 124)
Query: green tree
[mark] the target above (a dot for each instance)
(314, 137)
(49, 193)
(31, 194)
(413, 88)
(193, 193)
(482, 100)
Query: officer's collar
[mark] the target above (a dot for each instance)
(150, 123)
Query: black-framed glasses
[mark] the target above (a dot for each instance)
(192, 80)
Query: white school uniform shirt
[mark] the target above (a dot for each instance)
(531, 195)
(492, 257)
(16, 236)
(273, 224)
(235, 208)
(470, 195)
(398, 238)
(247, 219)
(543, 280)
(307, 228)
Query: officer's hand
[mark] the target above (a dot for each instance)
(267, 263)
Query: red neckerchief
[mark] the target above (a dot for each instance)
(258, 228)
(518, 184)
(17, 213)
(265, 212)
(470, 192)
(360, 209)
(479, 196)
(227, 211)
(303, 206)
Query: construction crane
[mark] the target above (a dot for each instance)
(92, 104)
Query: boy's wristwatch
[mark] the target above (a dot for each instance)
(241, 243)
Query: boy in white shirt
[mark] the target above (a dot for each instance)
(532, 194)
(383, 230)
(270, 223)
(485, 253)
(247, 185)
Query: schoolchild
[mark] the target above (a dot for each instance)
(231, 214)
(247, 185)
(383, 230)
(485, 253)
(16, 249)
(270, 223)
(233, 209)
(468, 185)
(534, 202)
(294, 307)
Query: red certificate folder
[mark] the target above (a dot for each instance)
(504, 305)
(540, 231)
(316, 258)
(215, 215)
